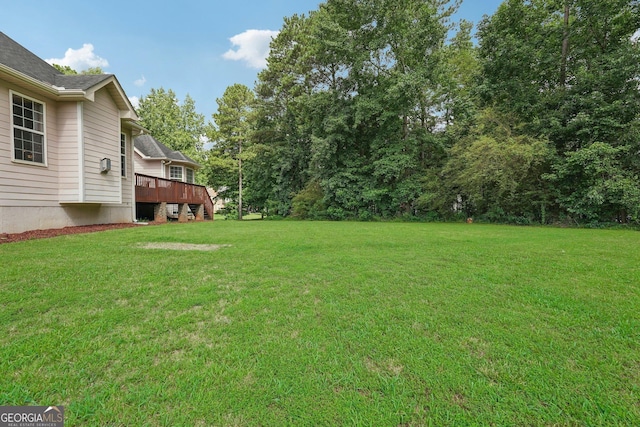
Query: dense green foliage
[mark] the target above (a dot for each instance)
(298, 323)
(175, 124)
(231, 145)
(65, 69)
(568, 71)
(387, 108)
(351, 101)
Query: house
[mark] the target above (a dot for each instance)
(66, 145)
(165, 183)
(218, 198)
(153, 158)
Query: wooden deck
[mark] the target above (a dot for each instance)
(150, 189)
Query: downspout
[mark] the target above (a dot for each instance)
(133, 176)
(81, 195)
(164, 167)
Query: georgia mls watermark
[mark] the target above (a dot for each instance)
(31, 416)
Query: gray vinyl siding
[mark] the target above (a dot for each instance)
(68, 152)
(151, 167)
(24, 184)
(101, 127)
(69, 190)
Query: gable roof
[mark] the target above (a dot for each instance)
(24, 66)
(17, 57)
(14, 55)
(150, 148)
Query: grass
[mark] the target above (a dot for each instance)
(317, 323)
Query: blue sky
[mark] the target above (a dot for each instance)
(193, 47)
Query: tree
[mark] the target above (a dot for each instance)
(602, 189)
(282, 135)
(352, 98)
(570, 72)
(367, 108)
(65, 69)
(175, 124)
(232, 132)
(497, 171)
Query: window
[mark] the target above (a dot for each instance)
(190, 179)
(123, 155)
(28, 129)
(175, 172)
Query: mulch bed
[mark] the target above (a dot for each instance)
(43, 234)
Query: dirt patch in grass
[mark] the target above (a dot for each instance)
(181, 246)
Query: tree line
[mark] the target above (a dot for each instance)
(388, 108)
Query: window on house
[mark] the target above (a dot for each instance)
(190, 179)
(28, 129)
(123, 155)
(175, 172)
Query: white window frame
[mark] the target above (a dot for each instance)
(193, 176)
(15, 127)
(123, 155)
(175, 168)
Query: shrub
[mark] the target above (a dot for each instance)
(309, 203)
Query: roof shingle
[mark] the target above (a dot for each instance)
(154, 149)
(15, 56)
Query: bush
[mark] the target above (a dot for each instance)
(231, 211)
(309, 203)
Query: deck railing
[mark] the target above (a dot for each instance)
(150, 189)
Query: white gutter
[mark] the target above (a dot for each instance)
(30, 80)
(133, 184)
(164, 164)
(134, 126)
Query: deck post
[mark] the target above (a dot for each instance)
(160, 212)
(199, 213)
(183, 212)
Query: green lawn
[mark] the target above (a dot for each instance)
(319, 323)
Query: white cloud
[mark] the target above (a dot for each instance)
(135, 101)
(252, 47)
(141, 81)
(80, 59)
